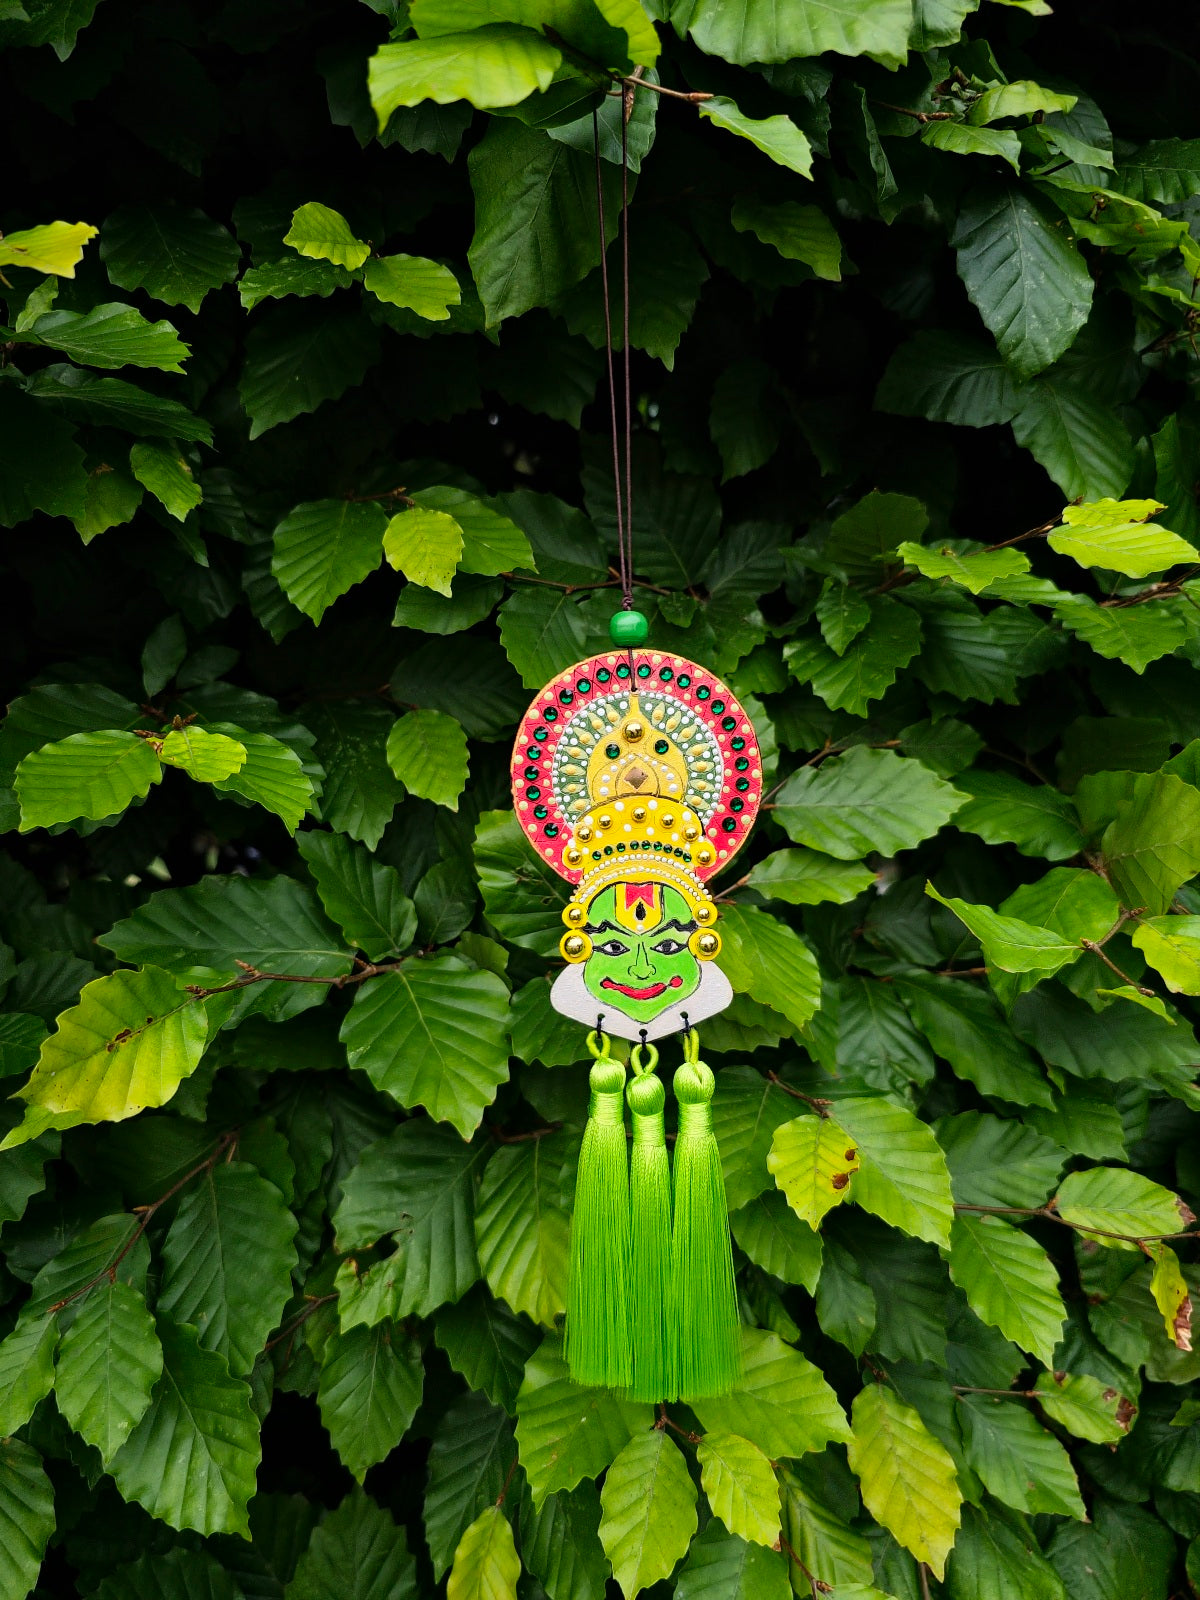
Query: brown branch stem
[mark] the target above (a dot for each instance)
(821, 1107)
(314, 1304)
(1050, 1215)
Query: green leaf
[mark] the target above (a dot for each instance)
(275, 280)
(1082, 443)
(782, 1403)
(360, 790)
(321, 232)
(272, 776)
(522, 894)
(201, 933)
(818, 1500)
(864, 800)
(1163, 171)
(112, 335)
(361, 895)
(1117, 535)
(426, 546)
(1009, 1282)
(1108, 1200)
(813, 1160)
(777, 1241)
(490, 66)
(358, 1553)
(566, 1433)
(118, 404)
(1122, 1551)
(560, 1544)
(487, 1344)
(1019, 1461)
(1118, 1043)
(191, 1460)
(418, 1186)
(108, 1363)
(867, 667)
(721, 1566)
(543, 632)
(1009, 943)
(997, 1162)
(127, 1045)
(26, 1369)
(948, 377)
(799, 233)
(432, 1034)
(763, 958)
(468, 1464)
(91, 775)
(746, 1110)
(648, 1511)
(740, 1484)
(535, 217)
(53, 247)
(975, 569)
(44, 466)
(966, 1027)
(902, 1176)
(996, 1556)
(842, 613)
(777, 30)
(207, 757)
(963, 140)
(427, 751)
(368, 1392)
(227, 1261)
(175, 253)
(806, 878)
(777, 137)
(522, 1231)
(1025, 277)
(1172, 947)
(180, 1574)
(1002, 808)
(1136, 635)
(486, 1564)
(26, 1515)
(907, 1478)
(1085, 1406)
(1153, 844)
(414, 283)
(323, 548)
(162, 470)
(298, 356)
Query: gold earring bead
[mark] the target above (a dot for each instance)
(574, 915)
(707, 945)
(704, 913)
(574, 946)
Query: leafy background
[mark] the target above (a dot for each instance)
(304, 468)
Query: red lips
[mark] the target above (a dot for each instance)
(650, 993)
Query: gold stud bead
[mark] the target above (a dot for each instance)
(691, 831)
(634, 731)
(571, 856)
(705, 854)
(604, 821)
(668, 820)
(584, 834)
(639, 813)
(707, 945)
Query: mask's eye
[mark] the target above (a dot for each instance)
(612, 947)
(669, 947)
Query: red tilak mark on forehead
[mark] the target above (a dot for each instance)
(639, 892)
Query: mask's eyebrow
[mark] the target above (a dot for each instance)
(603, 927)
(676, 927)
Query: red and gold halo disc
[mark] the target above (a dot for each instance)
(708, 745)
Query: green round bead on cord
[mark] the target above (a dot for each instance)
(629, 627)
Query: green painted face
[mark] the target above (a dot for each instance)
(640, 962)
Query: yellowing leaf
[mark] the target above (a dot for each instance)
(207, 757)
(320, 231)
(741, 1488)
(907, 1478)
(486, 1565)
(1172, 946)
(813, 1161)
(53, 247)
(1115, 534)
(425, 546)
(1171, 1296)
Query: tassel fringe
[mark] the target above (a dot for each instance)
(598, 1341)
(650, 1254)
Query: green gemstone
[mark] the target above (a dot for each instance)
(629, 627)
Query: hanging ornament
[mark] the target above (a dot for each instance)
(637, 777)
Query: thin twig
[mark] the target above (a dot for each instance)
(664, 1421)
(315, 1302)
(507, 1480)
(1095, 947)
(1007, 1394)
(821, 1107)
(523, 1138)
(1049, 1215)
(923, 1574)
(917, 116)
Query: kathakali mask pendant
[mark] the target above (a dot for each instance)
(637, 777)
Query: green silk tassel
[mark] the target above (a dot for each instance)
(703, 1301)
(597, 1333)
(650, 1233)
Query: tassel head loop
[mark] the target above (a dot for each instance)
(706, 1328)
(650, 1236)
(597, 1332)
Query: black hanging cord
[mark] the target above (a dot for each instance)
(622, 470)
